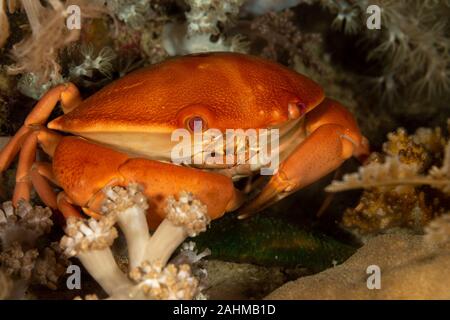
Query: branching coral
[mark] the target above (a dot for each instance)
(149, 276)
(394, 194)
(407, 159)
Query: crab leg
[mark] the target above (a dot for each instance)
(28, 171)
(26, 159)
(65, 205)
(41, 185)
(333, 136)
(69, 97)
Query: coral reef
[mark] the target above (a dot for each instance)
(397, 183)
(394, 79)
(149, 274)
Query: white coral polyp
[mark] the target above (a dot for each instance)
(90, 241)
(87, 235)
(23, 224)
(188, 212)
(168, 283)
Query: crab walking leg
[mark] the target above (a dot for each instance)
(90, 241)
(11, 149)
(45, 170)
(42, 187)
(70, 98)
(64, 204)
(27, 174)
(333, 136)
(26, 159)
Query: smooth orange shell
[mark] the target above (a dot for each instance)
(228, 90)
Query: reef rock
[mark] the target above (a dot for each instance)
(410, 268)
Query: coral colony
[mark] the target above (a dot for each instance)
(390, 209)
(149, 275)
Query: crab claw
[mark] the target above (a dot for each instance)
(332, 137)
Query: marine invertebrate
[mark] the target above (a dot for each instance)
(23, 224)
(38, 54)
(17, 262)
(202, 30)
(306, 121)
(22, 257)
(407, 39)
(149, 276)
(101, 61)
(283, 38)
(395, 194)
(205, 16)
(139, 28)
(398, 170)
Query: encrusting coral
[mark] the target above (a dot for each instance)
(149, 274)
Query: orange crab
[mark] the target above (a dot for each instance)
(122, 134)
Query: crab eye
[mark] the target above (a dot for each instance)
(196, 123)
(296, 109)
(302, 107)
